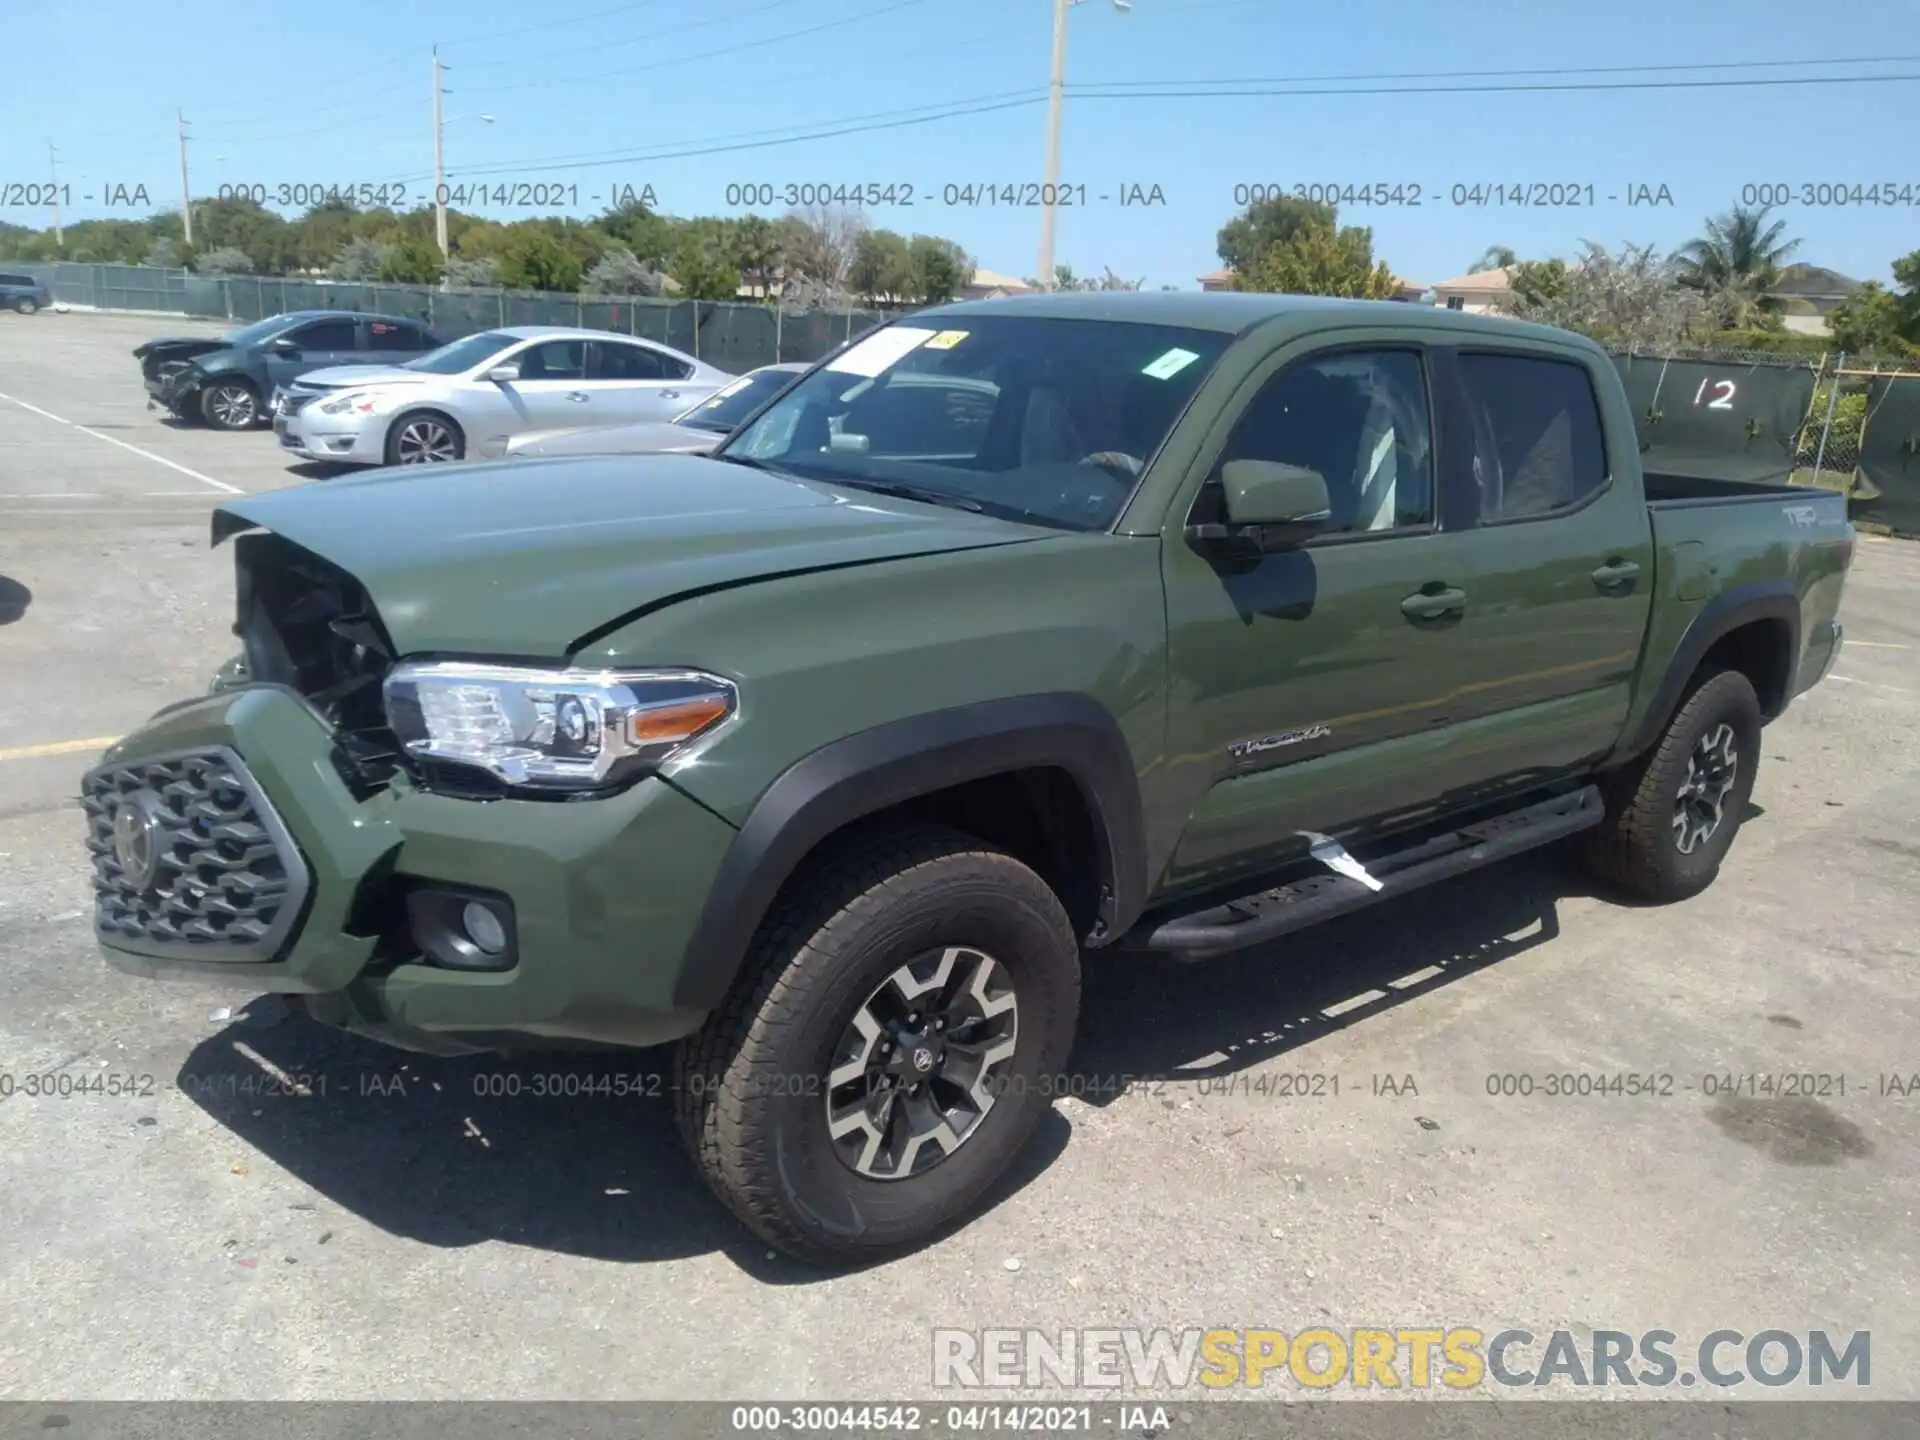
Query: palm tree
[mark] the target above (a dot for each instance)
(1738, 261)
(1495, 257)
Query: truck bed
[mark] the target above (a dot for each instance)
(1667, 489)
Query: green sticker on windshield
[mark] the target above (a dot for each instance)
(1170, 364)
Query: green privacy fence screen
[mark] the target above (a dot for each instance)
(735, 336)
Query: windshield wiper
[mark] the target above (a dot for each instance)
(926, 494)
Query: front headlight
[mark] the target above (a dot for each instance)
(552, 731)
(360, 401)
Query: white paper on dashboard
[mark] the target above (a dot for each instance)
(874, 354)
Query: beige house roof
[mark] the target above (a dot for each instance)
(1487, 282)
(984, 279)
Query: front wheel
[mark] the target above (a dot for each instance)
(27, 305)
(888, 1048)
(230, 405)
(1672, 816)
(425, 438)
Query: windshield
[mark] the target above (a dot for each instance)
(259, 330)
(1038, 418)
(460, 355)
(728, 406)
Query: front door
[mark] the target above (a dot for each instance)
(550, 393)
(316, 345)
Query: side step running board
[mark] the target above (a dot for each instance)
(1253, 919)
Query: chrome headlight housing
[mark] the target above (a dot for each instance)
(361, 401)
(554, 732)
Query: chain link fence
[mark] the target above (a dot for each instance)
(1842, 422)
(734, 335)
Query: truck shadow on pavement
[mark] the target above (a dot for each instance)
(579, 1154)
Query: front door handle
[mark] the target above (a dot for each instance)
(669, 394)
(578, 396)
(1434, 602)
(1616, 575)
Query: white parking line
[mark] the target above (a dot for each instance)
(144, 454)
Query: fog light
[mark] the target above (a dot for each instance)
(483, 927)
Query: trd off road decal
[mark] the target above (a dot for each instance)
(1260, 744)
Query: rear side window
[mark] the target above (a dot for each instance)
(26, 280)
(614, 361)
(1537, 443)
(324, 335)
(391, 335)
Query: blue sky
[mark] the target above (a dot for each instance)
(342, 94)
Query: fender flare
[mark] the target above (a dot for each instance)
(1718, 618)
(875, 769)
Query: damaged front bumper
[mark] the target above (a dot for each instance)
(231, 842)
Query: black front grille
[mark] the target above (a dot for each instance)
(190, 859)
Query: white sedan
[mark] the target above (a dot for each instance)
(468, 399)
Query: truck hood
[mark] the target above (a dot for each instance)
(537, 558)
(339, 377)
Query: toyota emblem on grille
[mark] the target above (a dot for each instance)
(923, 1059)
(136, 839)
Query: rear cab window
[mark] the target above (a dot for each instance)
(1537, 444)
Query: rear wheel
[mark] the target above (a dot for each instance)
(885, 1053)
(230, 405)
(425, 437)
(1672, 816)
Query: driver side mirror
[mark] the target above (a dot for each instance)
(1269, 504)
(281, 345)
(504, 374)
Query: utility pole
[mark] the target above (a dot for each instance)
(53, 169)
(439, 154)
(1054, 88)
(186, 195)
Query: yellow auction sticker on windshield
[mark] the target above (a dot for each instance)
(882, 350)
(946, 339)
(1169, 364)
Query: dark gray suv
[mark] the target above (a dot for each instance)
(23, 293)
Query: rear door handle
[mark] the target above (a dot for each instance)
(1433, 602)
(1616, 574)
(669, 394)
(579, 396)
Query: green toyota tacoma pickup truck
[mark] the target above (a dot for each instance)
(1014, 632)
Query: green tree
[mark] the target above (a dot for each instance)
(643, 233)
(1737, 261)
(224, 260)
(532, 259)
(703, 262)
(881, 271)
(411, 260)
(1537, 284)
(357, 260)
(937, 269)
(758, 246)
(1267, 224)
(621, 272)
(1494, 257)
(1318, 258)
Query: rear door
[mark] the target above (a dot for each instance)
(1557, 541)
(392, 342)
(629, 382)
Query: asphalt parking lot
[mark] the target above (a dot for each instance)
(400, 1236)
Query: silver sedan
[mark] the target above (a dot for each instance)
(694, 431)
(468, 399)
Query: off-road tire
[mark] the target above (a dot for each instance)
(750, 1084)
(1635, 848)
(210, 412)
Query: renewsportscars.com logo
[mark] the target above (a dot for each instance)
(1417, 1357)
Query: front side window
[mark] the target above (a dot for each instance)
(1359, 420)
(1537, 443)
(553, 360)
(1033, 417)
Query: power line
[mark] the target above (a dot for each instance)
(714, 54)
(1527, 70)
(633, 40)
(1105, 92)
